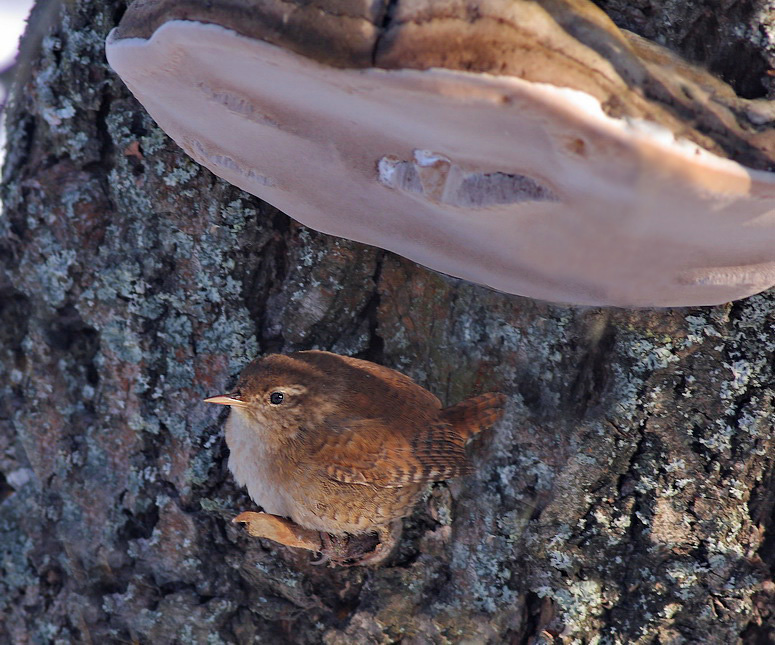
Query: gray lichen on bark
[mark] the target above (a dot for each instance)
(626, 497)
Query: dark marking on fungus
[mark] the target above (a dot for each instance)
(435, 178)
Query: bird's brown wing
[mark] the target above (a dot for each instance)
(369, 451)
(411, 393)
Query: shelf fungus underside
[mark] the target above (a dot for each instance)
(533, 187)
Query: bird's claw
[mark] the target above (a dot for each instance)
(342, 551)
(323, 558)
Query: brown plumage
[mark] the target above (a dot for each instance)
(344, 446)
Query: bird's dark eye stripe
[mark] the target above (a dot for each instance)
(276, 398)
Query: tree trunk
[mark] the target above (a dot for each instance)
(626, 497)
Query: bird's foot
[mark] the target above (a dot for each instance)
(335, 550)
(326, 549)
(388, 538)
(369, 549)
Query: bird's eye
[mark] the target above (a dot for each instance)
(276, 398)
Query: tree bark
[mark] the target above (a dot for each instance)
(626, 497)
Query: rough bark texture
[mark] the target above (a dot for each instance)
(627, 497)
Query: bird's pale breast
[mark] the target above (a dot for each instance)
(254, 467)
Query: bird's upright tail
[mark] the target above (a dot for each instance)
(473, 415)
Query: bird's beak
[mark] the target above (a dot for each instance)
(227, 399)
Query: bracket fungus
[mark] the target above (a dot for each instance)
(531, 146)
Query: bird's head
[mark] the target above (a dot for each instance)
(281, 394)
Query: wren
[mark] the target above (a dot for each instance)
(342, 445)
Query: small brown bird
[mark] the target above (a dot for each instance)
(342, 445)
